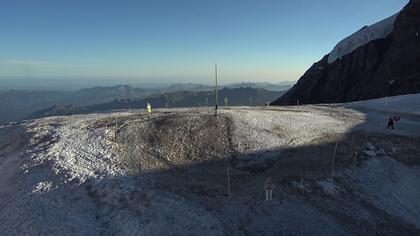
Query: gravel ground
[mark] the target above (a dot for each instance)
(130, 173)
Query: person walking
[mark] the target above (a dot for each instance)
(391, 123)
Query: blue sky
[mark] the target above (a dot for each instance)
(177, 40)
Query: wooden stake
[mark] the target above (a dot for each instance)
(352, 149)
(115, 131)
(366, 138)
(332, 167)
(228, 175)
(352, 143)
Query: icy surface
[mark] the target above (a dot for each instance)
(409, 103)
(63, 176)
(399, 194)
(256, 131)
(378, 30)
(407, 107)
(82, 152)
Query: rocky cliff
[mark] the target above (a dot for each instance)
(383, 66)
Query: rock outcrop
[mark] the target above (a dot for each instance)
(381, 67)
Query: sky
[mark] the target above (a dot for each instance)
(177, 40)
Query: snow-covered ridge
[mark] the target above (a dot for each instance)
(409, 103)
(378, 30)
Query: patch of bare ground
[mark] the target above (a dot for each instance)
(173, 140)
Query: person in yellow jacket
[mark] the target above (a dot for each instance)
(149, 107)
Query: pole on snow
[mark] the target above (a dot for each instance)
(228, 181)
(215, 89)
(332, 168)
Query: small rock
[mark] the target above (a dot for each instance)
(394, 149)
(370, 146)
(369, 153)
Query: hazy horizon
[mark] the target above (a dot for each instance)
(75, 83)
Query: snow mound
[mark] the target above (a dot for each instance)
(378, 30)
(79, 151)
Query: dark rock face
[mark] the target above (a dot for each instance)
(383, 67)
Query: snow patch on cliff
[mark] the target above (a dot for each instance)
(378, 30)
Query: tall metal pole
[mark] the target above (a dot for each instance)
(215, 90)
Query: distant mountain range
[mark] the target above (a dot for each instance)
(18, 104)
(377, 61)
(234, 97)
(268, 86)
(285, 85)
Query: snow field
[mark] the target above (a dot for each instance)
(70, 180)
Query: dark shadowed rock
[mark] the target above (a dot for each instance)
(383, 67)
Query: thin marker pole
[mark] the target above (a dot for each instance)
(116, 127)
(387, 106)
(352, 149)
(332, 166)
(366, 138)
(228, 181)
(216, 88)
